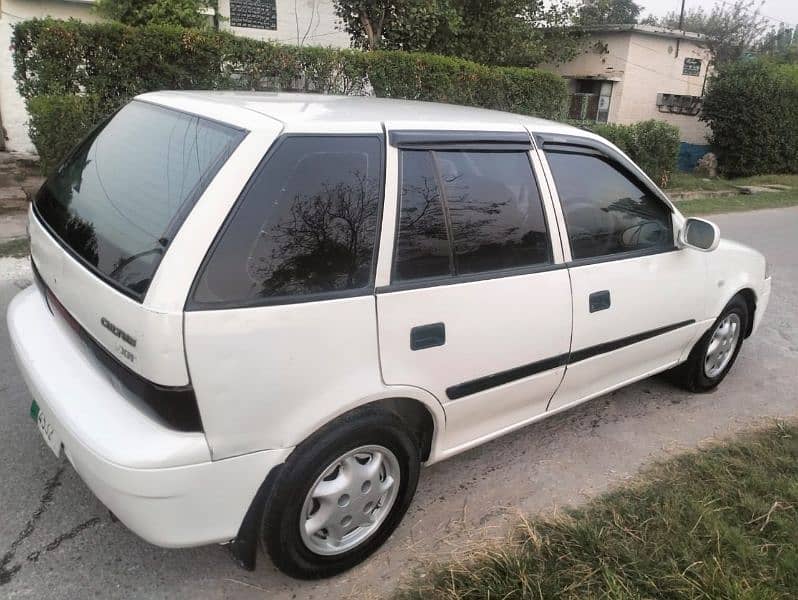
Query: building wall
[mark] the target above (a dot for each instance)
(307, 22)
(12, 107)
(300, 22)
(641, 66)
(600, 59)
(652, 67)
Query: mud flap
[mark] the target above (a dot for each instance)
(244, 547)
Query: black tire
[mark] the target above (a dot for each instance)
(691, 374)
(280, 526)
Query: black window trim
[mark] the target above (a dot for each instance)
(420, 139)
(177, 220)
(192, 305)
(453, 278)
(588, 147)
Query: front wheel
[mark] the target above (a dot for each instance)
(341, 494)
(713, 356)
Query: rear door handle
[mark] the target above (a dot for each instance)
(427, 336)
(600, 301)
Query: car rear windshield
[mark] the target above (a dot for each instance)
(121, 195)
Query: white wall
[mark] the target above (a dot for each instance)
(653, 67)
(12, 106)
(300, 22)
(641, 66)
(315, 21)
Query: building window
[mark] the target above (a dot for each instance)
(692, 67)
(590, 100)
(253, 14)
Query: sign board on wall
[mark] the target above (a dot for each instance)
(692, 67)
(254, 14)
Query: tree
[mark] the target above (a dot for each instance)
(183, 13)
(731, 29)
(503, 32)
(604, 12)
(403, 24)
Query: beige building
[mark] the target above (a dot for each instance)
(629, 73)
(303, 22)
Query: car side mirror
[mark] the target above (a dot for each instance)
(699, 234)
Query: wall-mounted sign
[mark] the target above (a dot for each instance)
(255, 14)
(692, 67)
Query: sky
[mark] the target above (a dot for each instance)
(774, 10)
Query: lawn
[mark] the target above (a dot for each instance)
(688, 182)
(721, 522)
(738, 202)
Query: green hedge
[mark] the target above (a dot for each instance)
(111, 63)
(653, 145)
(752, 108)
(58, 123)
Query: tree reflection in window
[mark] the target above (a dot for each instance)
(495, 210)
(306, 225)
(494, 213)
(324, 243)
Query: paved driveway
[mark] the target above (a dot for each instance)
(57, 540)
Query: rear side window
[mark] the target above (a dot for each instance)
(605, 211)
(120, 197)
(468, 212)
(305, 226)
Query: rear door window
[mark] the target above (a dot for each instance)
(468, 212)
(305, 228)
(120, 197)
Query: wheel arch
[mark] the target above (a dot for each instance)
(421, 411)
(749, 296)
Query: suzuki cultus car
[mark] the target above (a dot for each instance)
(257, 315)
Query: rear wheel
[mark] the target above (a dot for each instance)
(713, 356)
(341, 494)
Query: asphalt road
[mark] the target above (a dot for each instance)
(57, 540)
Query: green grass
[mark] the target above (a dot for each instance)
(717, 523)
(16, 248)
(688, 182)
(739, 202)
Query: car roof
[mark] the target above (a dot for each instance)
(329, 113)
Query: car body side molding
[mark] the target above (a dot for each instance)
(481, 384)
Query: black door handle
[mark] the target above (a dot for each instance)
(599, 301)
(427, 336)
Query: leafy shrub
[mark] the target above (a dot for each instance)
(752, 108)
(111, 63)
(653, 145)
(58, 123)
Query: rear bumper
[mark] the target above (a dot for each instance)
(161, 483)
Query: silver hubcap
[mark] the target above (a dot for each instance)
(350, 500)
(721, 345)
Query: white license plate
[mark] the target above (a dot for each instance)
(48, 433)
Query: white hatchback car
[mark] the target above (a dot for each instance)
(257, 315)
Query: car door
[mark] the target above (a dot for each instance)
(476, 308)
(636, 296)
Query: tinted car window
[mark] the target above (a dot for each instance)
(121, 195)
(422, 247)
(495, 210)
(605, 211)
(307, 224)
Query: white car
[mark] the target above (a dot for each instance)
(257, 315)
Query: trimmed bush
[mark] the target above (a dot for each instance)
(111, 63)
(58, 123)
(752, 108)
(653, 145)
